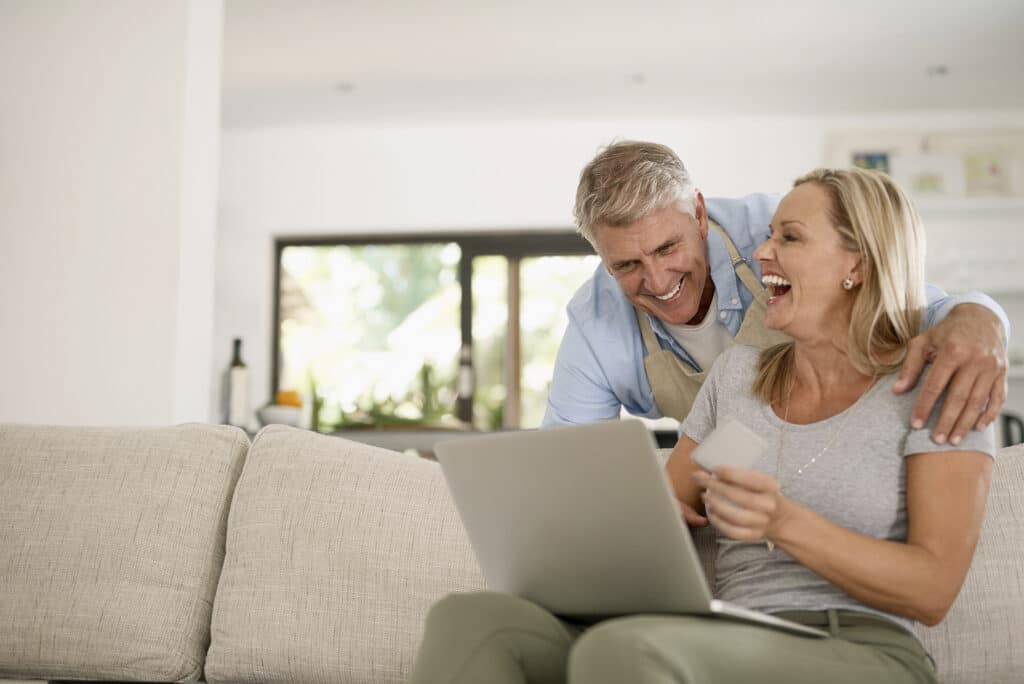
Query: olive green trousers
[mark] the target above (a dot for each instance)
(496, 638)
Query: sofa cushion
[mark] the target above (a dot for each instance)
(335, 552)
(982, 637)
(111, 541)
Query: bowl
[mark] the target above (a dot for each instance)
(279, 415)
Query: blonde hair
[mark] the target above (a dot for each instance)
(628, 180)
(875, 219)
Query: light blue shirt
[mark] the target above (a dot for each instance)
(600, 364)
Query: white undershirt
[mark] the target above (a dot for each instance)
(704, 341)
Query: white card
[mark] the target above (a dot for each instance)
(731, 443)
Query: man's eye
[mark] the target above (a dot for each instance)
(667, 249)
(625, 268)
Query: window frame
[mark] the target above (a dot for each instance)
(513, 245)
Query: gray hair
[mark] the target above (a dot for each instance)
(628, 180)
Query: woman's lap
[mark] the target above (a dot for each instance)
(502, 639)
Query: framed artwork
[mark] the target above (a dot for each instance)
(993, 160)
(932, 175)
(870, 149)
(964, 163)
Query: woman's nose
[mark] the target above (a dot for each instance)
(762, 253)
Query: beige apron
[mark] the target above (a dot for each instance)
(675, 382)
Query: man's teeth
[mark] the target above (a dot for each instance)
(774, 281)
(671, 294)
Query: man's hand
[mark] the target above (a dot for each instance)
(968, 355)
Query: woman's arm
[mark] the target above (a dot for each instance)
(920, 579)
(680, 469)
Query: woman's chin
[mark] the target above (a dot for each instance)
(775, 323)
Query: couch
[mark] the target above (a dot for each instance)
(186, 553)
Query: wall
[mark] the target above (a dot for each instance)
(497, 175)
(109, 136)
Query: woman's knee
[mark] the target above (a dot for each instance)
(478, 611)
(487, 636)
(618, 650)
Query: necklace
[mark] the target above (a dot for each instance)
(824, 449)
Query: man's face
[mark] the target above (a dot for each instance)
(661, 262)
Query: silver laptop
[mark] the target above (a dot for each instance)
(581, 520)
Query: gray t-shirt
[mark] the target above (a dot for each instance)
(859, 482)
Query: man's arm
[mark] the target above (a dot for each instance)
(965, 342)
(580, 392)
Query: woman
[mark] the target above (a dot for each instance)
(849, 520)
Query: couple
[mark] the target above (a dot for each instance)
(863, 513)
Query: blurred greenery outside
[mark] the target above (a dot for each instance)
(372, 332)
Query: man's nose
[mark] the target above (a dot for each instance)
(661, 280)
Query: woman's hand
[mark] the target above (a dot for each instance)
(745, 505)
(690, 516)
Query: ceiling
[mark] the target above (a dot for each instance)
(310, 61)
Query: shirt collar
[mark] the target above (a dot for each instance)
(723, 273)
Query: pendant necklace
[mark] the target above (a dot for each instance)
(814, 459)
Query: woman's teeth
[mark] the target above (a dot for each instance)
(774, 281)
(778, 284)
(673, 293)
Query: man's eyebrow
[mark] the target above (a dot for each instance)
(623, 262)
(793, 222)
(663, 245)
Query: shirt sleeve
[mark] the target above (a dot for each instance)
(940, 304)
(580, 392)
(920, 441)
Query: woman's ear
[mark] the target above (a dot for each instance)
(857, 271)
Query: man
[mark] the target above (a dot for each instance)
(678, 285)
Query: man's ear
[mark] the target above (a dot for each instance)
(701, 214)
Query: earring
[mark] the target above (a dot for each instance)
(848, 284)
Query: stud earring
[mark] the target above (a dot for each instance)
(848, 284)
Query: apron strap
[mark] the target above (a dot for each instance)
(739, 263)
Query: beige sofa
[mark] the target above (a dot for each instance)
(183, 553)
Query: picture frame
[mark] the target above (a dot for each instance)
(993, 160)
(870, 149)
(929, 175)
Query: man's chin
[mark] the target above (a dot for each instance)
(675, 315)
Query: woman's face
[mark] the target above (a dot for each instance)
(804, 264)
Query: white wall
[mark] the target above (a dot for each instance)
(360, 179)
(109, 134)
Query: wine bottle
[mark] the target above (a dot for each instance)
(464, 384)
(238, 389)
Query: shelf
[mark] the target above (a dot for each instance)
(967, 204)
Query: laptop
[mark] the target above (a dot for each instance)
(581, 520)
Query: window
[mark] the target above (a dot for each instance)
(425, 331)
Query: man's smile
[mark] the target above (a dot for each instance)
(671, 294)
